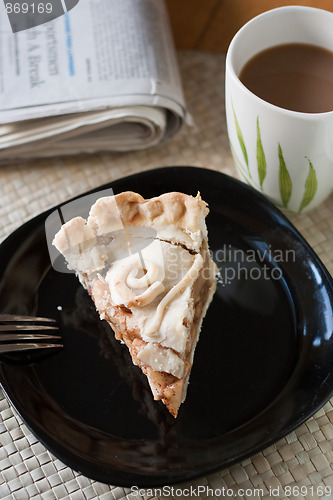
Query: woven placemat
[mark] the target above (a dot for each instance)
(298, 466)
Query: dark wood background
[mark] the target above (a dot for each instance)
(211, 24)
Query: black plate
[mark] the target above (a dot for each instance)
(263, 364)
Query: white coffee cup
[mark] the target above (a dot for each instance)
(287, 155)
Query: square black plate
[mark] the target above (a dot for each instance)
(263, 364)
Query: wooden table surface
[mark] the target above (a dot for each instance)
(211, 24)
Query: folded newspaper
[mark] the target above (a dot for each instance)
(102, 77)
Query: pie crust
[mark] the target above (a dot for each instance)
(147, 266)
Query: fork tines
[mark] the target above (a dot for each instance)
(6, 348)
(10, 318)
(21, 324)
(14, 327)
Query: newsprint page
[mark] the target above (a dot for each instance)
(103, 76)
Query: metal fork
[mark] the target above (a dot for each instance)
(18, 324)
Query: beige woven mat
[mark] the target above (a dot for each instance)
(302, 459)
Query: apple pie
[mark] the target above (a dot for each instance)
(147, 266)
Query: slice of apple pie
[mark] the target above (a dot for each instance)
(147, 267)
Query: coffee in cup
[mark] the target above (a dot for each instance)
(279, 105)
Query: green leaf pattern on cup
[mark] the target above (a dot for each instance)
(310, 187)
(240, 167)
(241, 141)
(284, 180)
(261, 159)
(285, 183)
